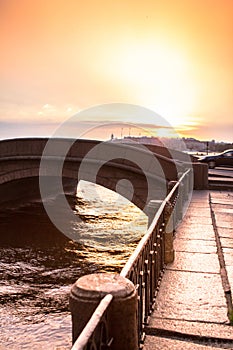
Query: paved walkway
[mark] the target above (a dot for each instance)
(194, 297)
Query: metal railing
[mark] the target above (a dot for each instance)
(146, 265)
(144, 268)
(95, 335)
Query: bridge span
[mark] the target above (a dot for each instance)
(148, 168)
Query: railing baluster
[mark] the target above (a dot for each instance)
(147, 291)
(152, 277)
(155, 267)
(141, 304)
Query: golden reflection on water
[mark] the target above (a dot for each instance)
(37, 278)
(111, 225)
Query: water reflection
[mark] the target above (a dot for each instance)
(38, 264)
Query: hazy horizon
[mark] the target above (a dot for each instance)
(173, 57)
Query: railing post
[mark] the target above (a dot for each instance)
(86, 294)
(152, 208)
(187, 186)
(174, 219)
(169, 234)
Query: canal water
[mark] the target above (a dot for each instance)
(38, 265)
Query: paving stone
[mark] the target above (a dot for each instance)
(224, 209)
(191, 296)
(221, 200)
(223, 217)
(198, 205)
(196, 262)
(224, 224)
(191, 299)
(195, 231)
(225, 232)
(190, 219)
(200, 196)
(157, 343)
(228, 257)
(230, 277)
(227, 242)
(198, 212)
(223, 195)
(195, 328)
(194, 245)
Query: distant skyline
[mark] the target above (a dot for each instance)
(174, 57)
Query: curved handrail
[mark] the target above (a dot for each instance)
(92, 324)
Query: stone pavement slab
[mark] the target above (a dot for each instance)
(156, 343)
(222, 204)
(228, 256)
(224, 224)
(196, 262)
(191, 299)
(189, 219)
(226, 232)
(224, 210)
(190, 296)
(194, 245)
(198, 214)
(201, 329)
(230, 275)
(196, 231)
(227, 243)
(200, 196)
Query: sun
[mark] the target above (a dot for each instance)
(159, 76)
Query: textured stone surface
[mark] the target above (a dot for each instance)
(223, 216)
(213, 330)
(97, 285)
(190, 219)
(156, 343)
(224, 224)
(198, 212)
(194, 245)
(200, 196)
(230, 276)
(195, 231)
(223, 210)
(227, 243)
(226, 232)
(228, 256)
(191, 296)
(197, 262)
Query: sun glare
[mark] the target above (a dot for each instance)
(160, 78)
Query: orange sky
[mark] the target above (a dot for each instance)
(60, 56)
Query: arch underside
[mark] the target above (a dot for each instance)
(24, 183)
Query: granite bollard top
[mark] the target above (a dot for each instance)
(99, 284)
(85, 296)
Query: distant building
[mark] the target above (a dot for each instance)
(145, 140)
(194, 145)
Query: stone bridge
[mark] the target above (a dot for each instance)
(147, 168)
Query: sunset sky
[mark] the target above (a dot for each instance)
(174, 57)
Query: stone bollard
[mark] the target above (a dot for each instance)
(200, 172)
(169, 235)
(85, 296)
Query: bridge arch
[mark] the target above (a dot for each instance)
(20, 168)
